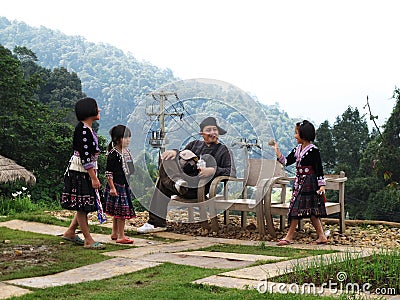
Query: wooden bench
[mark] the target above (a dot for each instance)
(333, 182)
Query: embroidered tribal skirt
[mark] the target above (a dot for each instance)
(305, 201)
(119, 206)
(78, 193)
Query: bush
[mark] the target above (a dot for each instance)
(384, 205)
(19, 202)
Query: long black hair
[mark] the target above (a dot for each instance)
(117, 133)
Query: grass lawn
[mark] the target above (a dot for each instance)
(31, 254)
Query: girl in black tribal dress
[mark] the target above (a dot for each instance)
(118, 195)
(80, 179)
(309, 186)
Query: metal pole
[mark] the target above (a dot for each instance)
(162, 121)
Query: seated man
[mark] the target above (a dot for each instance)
(173, 181)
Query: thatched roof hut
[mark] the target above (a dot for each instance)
(11, 171)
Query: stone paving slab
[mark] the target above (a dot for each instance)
(231, 256)
(7, 291)
(197, 261)
(215, 240)
(173, 236)
(59, 230)
(164, 248)
(34, 227)
(228, 282)
(102, 270)
(138, 242)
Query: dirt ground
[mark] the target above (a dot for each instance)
(15, 257)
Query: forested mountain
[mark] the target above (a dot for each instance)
(116, 79)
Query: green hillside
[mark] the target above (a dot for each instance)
(116, 79)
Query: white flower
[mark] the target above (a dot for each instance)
(24, 188)
(19, 192)
(29, 196)
(14, 194)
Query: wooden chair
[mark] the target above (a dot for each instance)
(257, 175)
(202, 204)
(333, 182)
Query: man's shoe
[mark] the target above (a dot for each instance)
(148, 228)
(181, 186)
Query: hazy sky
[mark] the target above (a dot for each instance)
(314, 58)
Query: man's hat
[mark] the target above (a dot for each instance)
(211, 121)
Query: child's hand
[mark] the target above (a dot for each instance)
(96, 183)
(321, 190)
(274, 145)
(113, 192)
(206, 172)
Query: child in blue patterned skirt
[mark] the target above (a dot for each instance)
(118, 195)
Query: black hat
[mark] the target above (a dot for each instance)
(211, 121)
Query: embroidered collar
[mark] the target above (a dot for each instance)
(300, 153)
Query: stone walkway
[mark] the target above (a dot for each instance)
(149, 253)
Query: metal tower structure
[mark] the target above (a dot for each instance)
(157, 138)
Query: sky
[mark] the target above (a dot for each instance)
(313, 58)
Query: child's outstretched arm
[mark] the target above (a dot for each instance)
(274, 144)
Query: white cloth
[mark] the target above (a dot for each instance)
(76, 164)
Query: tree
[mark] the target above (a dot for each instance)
(33, 134)
(324, 141)
(389, 152)
(350, 133)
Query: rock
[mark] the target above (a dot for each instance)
(7, 242)
(251, 226)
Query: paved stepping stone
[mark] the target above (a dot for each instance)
(174, 236)
(211, 260)
(232, 256)
(197, 261)
(228, 282)
(7, 291)
(164, 248)
(34, 227)
(262, 272)
(215, 240)
(102, 270)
